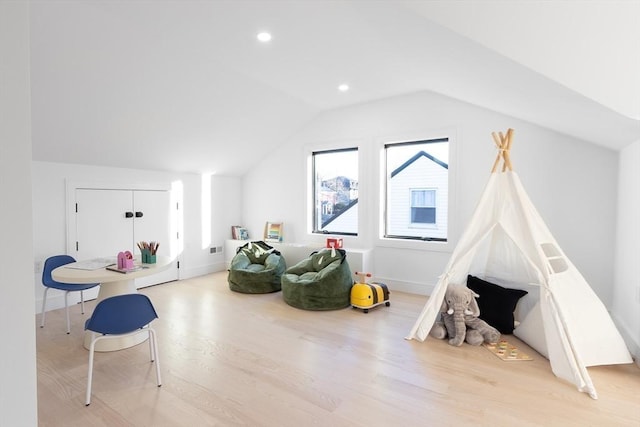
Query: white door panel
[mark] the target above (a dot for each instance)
(102, 229)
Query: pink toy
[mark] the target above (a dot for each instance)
(125, 260)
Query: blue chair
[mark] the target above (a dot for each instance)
(51, 264)
(117, 317)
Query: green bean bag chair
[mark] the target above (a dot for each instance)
(256, 268)
(321, 282)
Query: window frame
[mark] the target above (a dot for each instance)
(313, 217)
(450, 133)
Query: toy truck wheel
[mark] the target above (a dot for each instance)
(387, 303)
(366, 310)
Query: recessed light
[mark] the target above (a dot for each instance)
(343, 87)
(264, 37)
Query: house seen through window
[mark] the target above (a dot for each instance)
(335, 191)
(417, 190)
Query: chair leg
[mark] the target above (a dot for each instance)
(82, 302)
(92, 347)
(44, 301)
(66, 308)
(151, 349)
(155, 358)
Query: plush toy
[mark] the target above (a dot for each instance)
(460, 320)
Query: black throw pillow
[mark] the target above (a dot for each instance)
(496, 303)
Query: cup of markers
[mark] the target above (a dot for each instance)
(148, 251)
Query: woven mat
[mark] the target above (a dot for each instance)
(506, 351)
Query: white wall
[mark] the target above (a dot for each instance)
(226, 202)
(562, 175)
(626, 301)
(201, 227)
(18, 389)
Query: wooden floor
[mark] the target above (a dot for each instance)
(231, 359)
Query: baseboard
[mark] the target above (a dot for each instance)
(408, 287)
(55, 299)
(188, 273)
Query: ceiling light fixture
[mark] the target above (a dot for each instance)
(264, 37)
(343, 87)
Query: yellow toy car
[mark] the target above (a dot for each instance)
(368, 295)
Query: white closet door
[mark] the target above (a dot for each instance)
(153, 224)
(102, 226)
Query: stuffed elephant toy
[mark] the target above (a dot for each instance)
(460, 320)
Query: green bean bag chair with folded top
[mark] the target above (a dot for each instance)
(321, 282)
(256, 268)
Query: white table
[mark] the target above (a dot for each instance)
(111, 283)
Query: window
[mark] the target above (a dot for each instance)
(423, 207)
(335, 191)
(417, 190)
(557, 262)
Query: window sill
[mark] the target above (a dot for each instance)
(419, 245)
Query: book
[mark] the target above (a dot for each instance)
(243, 234)
(273, 232)
(239, 233)
(127, 270)
(92, 264)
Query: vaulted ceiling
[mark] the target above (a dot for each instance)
(185, 85)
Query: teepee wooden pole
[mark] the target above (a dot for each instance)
(499, 147)
(507, 151)
(503, 143)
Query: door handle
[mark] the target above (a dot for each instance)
(128, 214)
(138, 214)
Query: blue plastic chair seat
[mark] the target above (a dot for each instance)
(121, 314)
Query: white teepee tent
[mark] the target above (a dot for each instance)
(508, 243)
